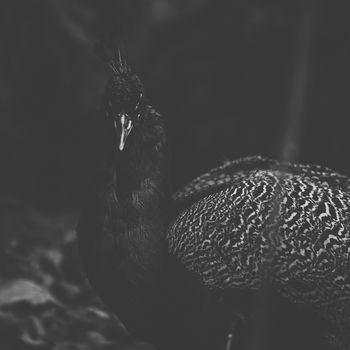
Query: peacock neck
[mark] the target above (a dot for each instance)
(124, 224)
(136, 200)
(138, 174)
(138, 171)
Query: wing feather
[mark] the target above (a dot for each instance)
(292, 228)
(237, 170)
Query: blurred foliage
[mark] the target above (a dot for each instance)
(220, 71)
(45, 301)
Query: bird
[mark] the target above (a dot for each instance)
(178, 268)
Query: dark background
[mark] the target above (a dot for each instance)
(232, 78)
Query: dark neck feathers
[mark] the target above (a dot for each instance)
(131, 201)
(139, 167)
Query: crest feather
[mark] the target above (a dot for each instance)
(113, 52)
(119, 62)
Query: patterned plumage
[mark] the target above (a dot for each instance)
(256, 220)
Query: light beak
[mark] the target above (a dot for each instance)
(126, 126)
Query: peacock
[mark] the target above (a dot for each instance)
(178, 269)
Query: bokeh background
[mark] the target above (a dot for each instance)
(232, 78)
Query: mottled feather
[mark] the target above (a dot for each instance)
(255, 220)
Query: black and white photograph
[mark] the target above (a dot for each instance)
(175, 175)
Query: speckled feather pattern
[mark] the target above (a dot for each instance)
(255, 219)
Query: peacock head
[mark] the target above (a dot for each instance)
(124, 98)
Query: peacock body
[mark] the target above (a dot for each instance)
(160, 261)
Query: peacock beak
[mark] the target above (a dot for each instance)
(126, 126)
